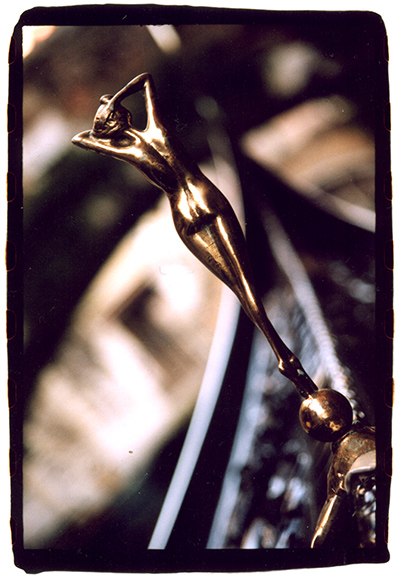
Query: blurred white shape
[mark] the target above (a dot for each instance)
(44, 143)
(319, 151)
(277, 486)
(289, 67)
(280, 139)
(179, 287)
(34, 35)
(166, 37)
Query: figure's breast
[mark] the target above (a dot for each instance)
(156, 168)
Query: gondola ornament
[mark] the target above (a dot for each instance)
(207, 225)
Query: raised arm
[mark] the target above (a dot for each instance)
(150, 150)
(111, 106)
(145, 81)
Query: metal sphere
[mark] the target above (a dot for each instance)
(326, 415)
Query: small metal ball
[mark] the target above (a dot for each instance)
(326, 415)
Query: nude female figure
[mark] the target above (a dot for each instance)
(203, 218)
(208, 226)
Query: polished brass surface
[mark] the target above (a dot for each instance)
(203, 217)
(360, 440)
(326, 415)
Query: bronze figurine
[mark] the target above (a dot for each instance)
(208, 226)
(202, 215)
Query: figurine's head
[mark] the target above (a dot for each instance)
(112, 132)
(111, 118)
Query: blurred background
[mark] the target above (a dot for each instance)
(127, 337)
